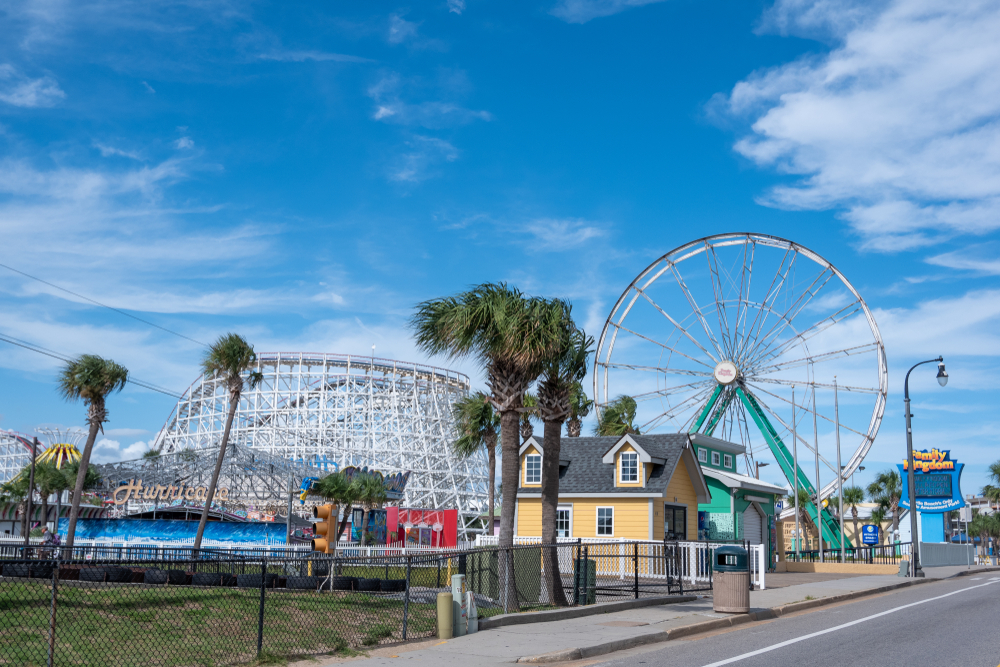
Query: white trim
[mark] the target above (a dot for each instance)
(716, 459)
(597, 520)
(526, 480)
(610, 494)
(569, 507)
(644, 456)
(702, 455)
(727, 460)
(530, 442)
(737, 481)
(621, 469)
(650, 519)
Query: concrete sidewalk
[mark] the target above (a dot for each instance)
(576, 638)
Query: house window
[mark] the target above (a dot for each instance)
(630, 467)
(702, 455)
(533, 469)
(727, 461)
(715, 458)
(564, 522)
(674, 522)
(605, 521)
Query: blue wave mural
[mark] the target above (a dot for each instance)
(165, 530)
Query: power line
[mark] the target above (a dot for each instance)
(103, 305)
(55, 355)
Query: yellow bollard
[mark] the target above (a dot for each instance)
(445, 616)
(449, 571)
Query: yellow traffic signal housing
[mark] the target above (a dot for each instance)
(325, 529)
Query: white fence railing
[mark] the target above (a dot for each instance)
(614, 558)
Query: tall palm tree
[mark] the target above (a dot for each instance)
(90, 378)
(561, 373)
(511, 335)
(992, 491)
(530, 404)
(231, 357)
(805, 521)
(617, 417)
(886, 490)
(477, 424)
(579, 407)
(854, 496)
(372, 496)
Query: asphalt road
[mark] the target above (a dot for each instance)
(953, 622)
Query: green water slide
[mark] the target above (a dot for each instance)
(710, 417)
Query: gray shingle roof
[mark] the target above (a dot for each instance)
(587, 474)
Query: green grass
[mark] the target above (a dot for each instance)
(136, 626)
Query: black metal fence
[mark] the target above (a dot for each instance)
(227, 610)
(889, 554)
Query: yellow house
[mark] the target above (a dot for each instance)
(636, 487)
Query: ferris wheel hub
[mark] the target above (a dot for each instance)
(726, 372)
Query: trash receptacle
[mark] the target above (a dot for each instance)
(585, 581)
(730, 580)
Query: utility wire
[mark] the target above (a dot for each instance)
(103, 305)
(55, 355)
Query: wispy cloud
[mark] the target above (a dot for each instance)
(897, 126)
(456, 6)
(400, 29)
(981, 258)
(435, 114)
(558, 234)
(184, 142)
(316, 56)
(108, 151)
(420, 159)
(19, 90)
(581, 11)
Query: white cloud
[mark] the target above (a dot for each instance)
(898, 126)
(456, 6)
(970, 259)
(184, 142)
(560, 234)
(108, 151)
(316, 56)
(111, 451)
(390, 107)
(19, 90)
(422, 155)
(581, 11)
(149, 88)
(400, 29)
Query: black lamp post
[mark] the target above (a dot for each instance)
(942, 378)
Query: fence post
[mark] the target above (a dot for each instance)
(260, 617)
(635, 569)
(406, 595)
(52, 612)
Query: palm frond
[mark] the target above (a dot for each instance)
(230, 357)
(90, 377)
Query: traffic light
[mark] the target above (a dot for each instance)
(325, 528)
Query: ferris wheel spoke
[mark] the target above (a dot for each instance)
(746, 276)
(676, 324)
(777, 282)
(697, 310)
(796, 383)
(807, 409)
(654, 369)
(805, 361)
(679, 389)
(656, 342)
(720, 301)
(786, 318)
(807, 333)
(774, 415)
(686, 404)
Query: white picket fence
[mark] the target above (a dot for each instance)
(614, 558)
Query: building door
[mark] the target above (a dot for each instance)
(674, 522)
(752, 530)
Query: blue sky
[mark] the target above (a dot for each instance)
(303, 173)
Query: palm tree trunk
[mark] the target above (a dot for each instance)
(343, 524)
(234, 401)
(364, 524)
(96, 412)
(492, 454)
(550, 504)
(895, 518)
(45, 507)
(510, 471)
(854, 516)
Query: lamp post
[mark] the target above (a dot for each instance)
(759, 465)
(942, 378)
(31, 492)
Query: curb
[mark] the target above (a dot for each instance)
(722, 623)
(579, 612)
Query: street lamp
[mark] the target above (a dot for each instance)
(942, 378)
(759, 466)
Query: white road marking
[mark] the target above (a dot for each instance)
(976, 579)
(789, 642)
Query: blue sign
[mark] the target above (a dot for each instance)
(936, 480)
(869, 534)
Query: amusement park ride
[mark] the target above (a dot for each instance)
(716, 336)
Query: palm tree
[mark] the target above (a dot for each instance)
(48, 478)
(477, 424)
(511, 335)
(854, 496)
(342, 492)
(805, 521)
(530, 404)
(579, 407)
(372, 495)
(992, 491)
(617, 417)
(231, 357)
(91, 378)
(878, 518)
(886, 490)
(561, 373)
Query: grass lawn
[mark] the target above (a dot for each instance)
(122, 625)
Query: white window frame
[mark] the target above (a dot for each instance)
(715, 458)
(527, 479)
(727, 461)
(598, 517)
(621, 468)
(702, 455)
(569, 509)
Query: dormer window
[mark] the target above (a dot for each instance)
(715, 458)
(629, 467)
(727, 461)
(702, 455)
(533, 469)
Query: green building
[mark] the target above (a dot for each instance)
(742, 507)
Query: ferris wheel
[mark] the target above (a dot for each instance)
(749, 338)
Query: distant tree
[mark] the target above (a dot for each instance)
(854, 496)
(617, 418)
(878, 518)
(151, 454)
(579, 407)
(805, 521)
(372, 496)
(231, 357)
(343, 493)
(886, 490)
(90, 378)
(477, 424)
